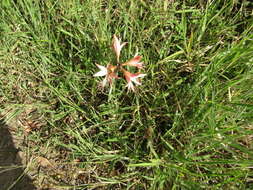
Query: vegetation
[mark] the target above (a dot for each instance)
(188, 126)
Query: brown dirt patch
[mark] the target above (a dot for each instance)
(12, 170)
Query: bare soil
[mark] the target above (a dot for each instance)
(12, 173)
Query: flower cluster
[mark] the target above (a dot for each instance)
(110, 71)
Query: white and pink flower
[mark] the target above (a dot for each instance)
(117, 46)
(134, 62)
(108, 72)
(132, 78)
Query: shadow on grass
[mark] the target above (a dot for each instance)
(12, 176)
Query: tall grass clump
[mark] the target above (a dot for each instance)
(188, 126)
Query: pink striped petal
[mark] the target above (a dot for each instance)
(134, 62)
(132, 78)
(117, 46)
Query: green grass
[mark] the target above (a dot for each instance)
(189, 126)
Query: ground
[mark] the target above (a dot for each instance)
(12, 161)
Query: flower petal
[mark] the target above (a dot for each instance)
(117, 46)
(140, 75)
(122, 45)
(135, 62)
(136, 78)
(104, 82)
(102, 72)
(101, 67)
(130, 86)
(132, 78)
